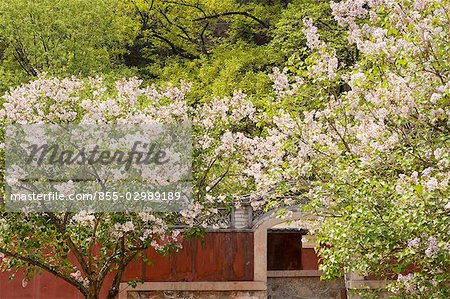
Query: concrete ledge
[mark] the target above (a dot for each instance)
(295, 273)
(309, 245)
(366, 284)
(229, 230)
(194, 286)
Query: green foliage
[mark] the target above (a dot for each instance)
(219, 46)
(230, 67)
(61, 37)
(289, 39)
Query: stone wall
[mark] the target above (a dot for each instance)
(304, 288)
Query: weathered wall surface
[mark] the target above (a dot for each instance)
(304, 288)
(220, 256)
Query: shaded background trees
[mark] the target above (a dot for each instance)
(218, 45)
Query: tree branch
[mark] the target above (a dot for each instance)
(231, 13)
(72, 246)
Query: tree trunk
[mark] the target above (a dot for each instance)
(94, 291)
(114, 290)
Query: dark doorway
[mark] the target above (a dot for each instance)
(284, 249)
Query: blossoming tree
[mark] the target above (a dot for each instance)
(83, 248)
(366, 146)
(371, 142)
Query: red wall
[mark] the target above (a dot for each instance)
(44, 286)
(219, 257)
(309, 259)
